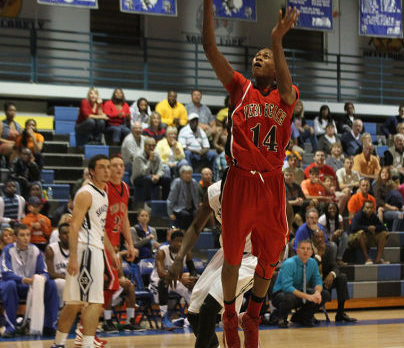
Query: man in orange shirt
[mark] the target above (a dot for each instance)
(313, 188)
(357, 200)
(366, 164)
(39, 224)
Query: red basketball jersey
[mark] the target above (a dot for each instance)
(259, 126)
(118, 198)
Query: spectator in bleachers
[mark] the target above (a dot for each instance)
(362, 195)
(305, 131)
(389, 128)
(144, 236)
(295, 197)
(132, 145)
(148, 171)
(324, 169)
(21, 262)
(183, 200)
(328, 139)
(172, 112)
(394, 156)
(39, 224)
(366, 164)
(7, 237)
(400, 128)
(313, 188)
(351, 140)
(299, 286)
(90, 124)
(155, 129)
(336, 159)
(57, 258)
(164, 258)
(293, 163)
(64, 219)
(321, 121)
(219, 143)
(332, 222)
(205, 182)
(348, 178)
(117, 110)
(367, 230)
(171, 152)
(35, 190)
(25, 171)
(140, 112)
(196, 144)
(31, 139)
(12, 205)
(9, 131)
(346, 124)
(223, 113)
(332, 276)
(206, 120)
(66, 208)
(339, 197)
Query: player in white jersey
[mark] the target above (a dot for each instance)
(57, 257)
(158, 284)
(207, 294)
(85, 271)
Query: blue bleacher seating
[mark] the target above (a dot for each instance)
(381, 150)
(64, 127)
(60, 191)
(205, 241)
(66, 113)
(72, 139)
(159, 208)
(197, 177)
(92, 150)
(310, 123)
(126, 178)
(139, 193)
(199, 265)
(47, 176)
(370, 127)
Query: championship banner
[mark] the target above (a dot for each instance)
(314, 15)
(381, 18)
(151, 7)
(92, 4)
(236, 9)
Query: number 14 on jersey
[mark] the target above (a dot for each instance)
(270, 138)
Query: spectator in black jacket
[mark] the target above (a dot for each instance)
(351, 141)
(389, 127)
(367, 230)
(25, 171)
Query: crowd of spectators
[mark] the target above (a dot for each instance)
(348, 198)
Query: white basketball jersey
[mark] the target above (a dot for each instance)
(214, 191)
(93, 227)
(168, 261)
(60, 258)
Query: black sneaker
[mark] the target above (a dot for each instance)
(9, 334)
(109, 327)
(132, 327)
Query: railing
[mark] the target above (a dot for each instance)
(82, 58)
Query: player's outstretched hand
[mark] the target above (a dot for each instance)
(284, 24)
(174, 273)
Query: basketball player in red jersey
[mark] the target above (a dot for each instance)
(253, 194)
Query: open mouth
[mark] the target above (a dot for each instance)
(257, 65)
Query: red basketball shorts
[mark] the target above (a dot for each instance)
(256, 203)
(111, 274)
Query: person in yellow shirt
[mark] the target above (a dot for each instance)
(173, 113)
(366, 164)
(222, 114)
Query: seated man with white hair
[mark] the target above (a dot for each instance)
(394, 156)
(196, 143)
(183, 200)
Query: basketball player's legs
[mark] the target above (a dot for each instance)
(66, 318)
(89, 318)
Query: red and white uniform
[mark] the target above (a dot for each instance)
(254, 189)
(118, 198)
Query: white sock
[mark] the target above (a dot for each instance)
(108, 314)
(163, 310)
(60, 338)
(130, 313)
(88, 342)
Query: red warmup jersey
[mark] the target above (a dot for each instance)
(260, 126)
(118, 198)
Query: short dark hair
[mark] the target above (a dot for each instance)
(177, 234)
(314, 170)
(7, 105)
(308, 241)
(65, 224)
(93, 160)
(346, 105)
(196, 90)
(368, 201)
(116, 155)
(20, 227)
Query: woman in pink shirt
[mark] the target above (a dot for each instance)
(118, 113)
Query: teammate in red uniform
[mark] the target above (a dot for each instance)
(253, 194)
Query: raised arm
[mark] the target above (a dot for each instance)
(283, 78)
(219, 63)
